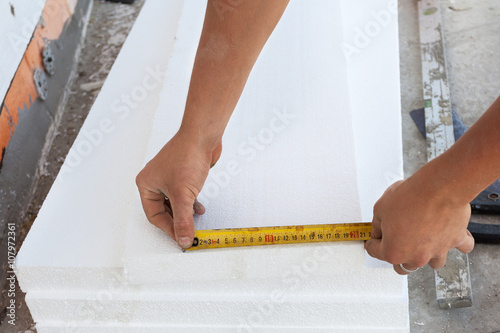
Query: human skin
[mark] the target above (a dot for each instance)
(234, 33)
(416, 221)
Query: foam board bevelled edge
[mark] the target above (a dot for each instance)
(79, 229)
(57, 279)
(297, 283)
(230, 263)
(232, 269)
(319, 311)
(374, 94)
(374, 76)
(60, 327)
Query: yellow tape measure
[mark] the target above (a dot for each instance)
(219, 238)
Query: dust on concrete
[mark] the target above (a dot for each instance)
(107, 30)
(472, 48)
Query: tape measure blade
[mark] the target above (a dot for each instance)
(239, 237)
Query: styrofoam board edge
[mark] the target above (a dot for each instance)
(76, 327)
(115, 86)
(64, 279)
(378, 312)
(114, 293)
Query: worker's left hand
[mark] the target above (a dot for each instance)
(415, 224)
(171, 181)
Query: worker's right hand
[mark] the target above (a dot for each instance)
(414, 225)
(178, 173)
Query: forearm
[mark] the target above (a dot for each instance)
(471, 164)
(417, 221)
(233, 35)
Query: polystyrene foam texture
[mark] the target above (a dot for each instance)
(88, 273)
(239, 312)
(59, 327)
(296, 287)
(374, 95)
(254, 190)
(288, 150)
(81, 225)
(371, 48)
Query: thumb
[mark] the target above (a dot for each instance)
(182, 211)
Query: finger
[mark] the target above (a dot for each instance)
(374, 248)
(437, 262)
(198, 208)
(376, 222)
(376, 228)
(467, 244)
(409, 267)
(182, 209)
(157, 212)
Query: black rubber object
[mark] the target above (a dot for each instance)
(487, 201)
(485, 233)
(122, 1)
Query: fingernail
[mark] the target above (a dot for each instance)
(185, 242)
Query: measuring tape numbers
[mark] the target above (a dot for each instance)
(221, 238)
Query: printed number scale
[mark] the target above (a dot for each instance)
(220, 238)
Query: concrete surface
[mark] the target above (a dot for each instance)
(472, 43)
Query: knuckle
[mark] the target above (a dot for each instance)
(421, 261)
(139, 179)
(437, 264)
(154, 222)
(179, 195)
(393, 258)
(458, 240)
(377, 205)
(182, 224)
(442, 254)
(369, 249)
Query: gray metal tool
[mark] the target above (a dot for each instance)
(453, 282)
(486, 202)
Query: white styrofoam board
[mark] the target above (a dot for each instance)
(66, 273)
(229, 307)
(17, 30)
(371, 48)
(374, 95)
(59, 327)
(77, 238)
(315, 312)
(297, 283)
(309, 275)
(151, 258)
(308, 281)
(303, 175)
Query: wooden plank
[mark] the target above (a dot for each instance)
(453, 283)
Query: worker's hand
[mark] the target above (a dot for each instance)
(415, 226)
(178, 173)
